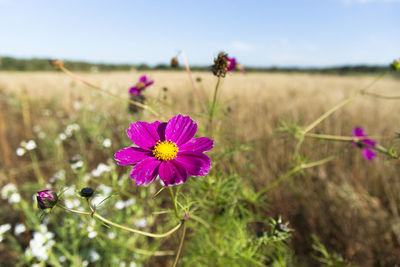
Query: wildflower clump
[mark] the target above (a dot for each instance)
(365, 144)
(141, 85)
(166, 149)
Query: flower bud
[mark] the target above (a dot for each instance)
(46, 199)
(174, 62)
(86, 192)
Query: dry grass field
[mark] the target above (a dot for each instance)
(352, 205)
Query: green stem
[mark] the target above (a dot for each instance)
(293, 171)
(171, 193)
(210, 120)
(101, 218)
(341, 104)
(344, 138)
(180, 244)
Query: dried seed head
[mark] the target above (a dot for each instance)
(57, 64)
(221, 65)
(174, 62)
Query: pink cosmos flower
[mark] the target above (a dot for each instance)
(232, 63)
(167, 150)
(364, 144)
(142, 84)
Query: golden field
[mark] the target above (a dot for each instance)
(351, 204)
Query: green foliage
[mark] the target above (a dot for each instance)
(323, 256)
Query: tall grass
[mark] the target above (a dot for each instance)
(347, 206)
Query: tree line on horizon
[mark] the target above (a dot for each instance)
(42, 64)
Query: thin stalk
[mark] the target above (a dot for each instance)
(344, 138)
(210, 120)
(381, 96)
(98, 88)
(195, 89)
(343, 103)
(138, 250)
(329, 112)
(180, 244)
(101, 218)
(293, 171)
(171, 193)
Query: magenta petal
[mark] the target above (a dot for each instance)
(160, 128)
(368, 154)
(369, 142)
(201, 144)
(149, 83)
(180, 129)
(143, 134)
(131, 155)
(145, 171)
(359, 132)
(134, 90)
(143, 79)
(172, 173)
(195, 163)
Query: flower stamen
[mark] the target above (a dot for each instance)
(165, 150)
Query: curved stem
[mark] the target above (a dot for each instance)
(171, 193)
(98, 88)
(293, 171)
(180, 244)
(101, 218)
(344, 138)
(138, 250)
(381, 96)
(341, 104)
(210, 120)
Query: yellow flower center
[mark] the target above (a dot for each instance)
(140, 86)
(165, 150)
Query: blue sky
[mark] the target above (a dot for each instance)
(257, 33)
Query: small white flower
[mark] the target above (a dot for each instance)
(62, 259)
(111, 235)
(132, 264)
(62, 136)
(130, 202)
(85, 263)
(20, 152)
(30, 145)
(106, 190)
(42, 135)
(141, 223)
(14, 198)
(77, 105)
(19, 229)
(101, 168)
(107, 142)
(120, 205)
(4, 228)
(77, 165)
(7, 190)
(94, 256)
(60, 175)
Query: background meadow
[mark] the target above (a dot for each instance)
(289, 184)
(349, 204)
